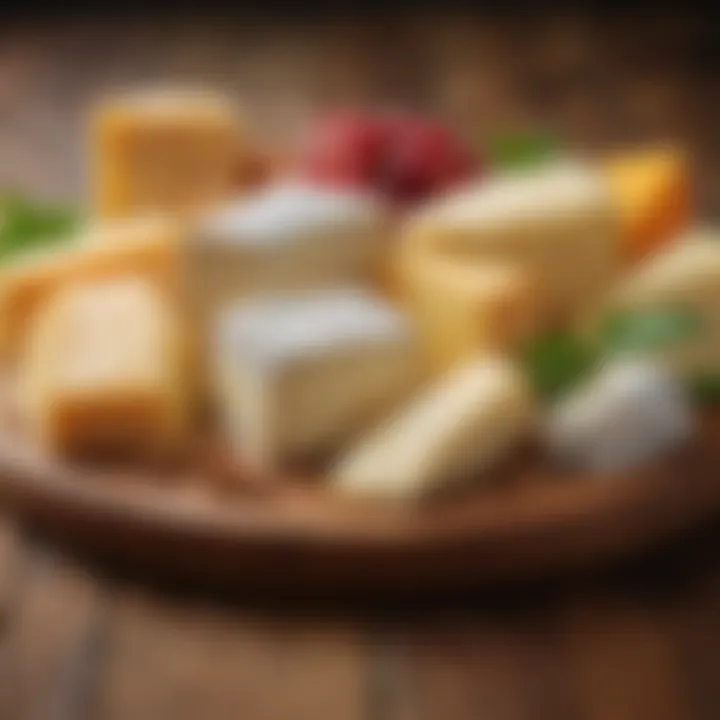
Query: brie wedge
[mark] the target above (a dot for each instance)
(284, 240)
(296, 376)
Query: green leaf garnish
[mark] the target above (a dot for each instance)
(648, 330)
(25, 224)
(705, 387)
(556, 362)
(519, 151)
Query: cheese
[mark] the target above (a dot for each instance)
(296, 376)
(557, 221)
(284, 240)
(651, 189)
(683, 275)
(142, 246)
(168, 150)
(456, 429)
(463, 308)
(631, 412)
(104, 369)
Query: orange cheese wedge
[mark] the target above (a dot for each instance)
(651, 188)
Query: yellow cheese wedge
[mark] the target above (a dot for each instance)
(142, 246)
(104, 369)
(685, 274)
(166, 151)
(651, 189)
(557, 221)
(463, 308)
(455, 430)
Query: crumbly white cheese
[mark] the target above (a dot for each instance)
(631, 412)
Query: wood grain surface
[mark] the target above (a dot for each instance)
(527, 520)
(636, 642)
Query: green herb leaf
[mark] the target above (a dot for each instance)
(705, 387)
(557, 362)
(649, 330)
(25, 224)
(523, 150)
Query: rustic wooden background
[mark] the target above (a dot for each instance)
(640, 642)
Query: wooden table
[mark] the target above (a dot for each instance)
(638, 642)
(641, 642)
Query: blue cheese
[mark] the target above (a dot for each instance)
(296, 376)
(631, 412)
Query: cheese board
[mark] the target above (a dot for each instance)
(291, 534)
(384, 362)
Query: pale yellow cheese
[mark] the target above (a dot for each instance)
(104, 369)
(167, 150)
(462, 308)
(456, 429)
(558, 221)
(141, 246)
(685, 274)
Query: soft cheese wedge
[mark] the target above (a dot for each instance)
(685, 274)
(558, 221)
(629, 413)
(144, 247)
(651, 188)
(104, 369)
(284, 240)
(296, 376)
(464, 307)
(456, 429)
(166, 150)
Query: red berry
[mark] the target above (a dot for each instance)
(424, 158)
(346, 149)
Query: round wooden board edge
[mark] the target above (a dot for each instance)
(564, 525)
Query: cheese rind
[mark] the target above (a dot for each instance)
(685, 274)
(456, 429)
(285, 240)
(167, 151)
(144, 247)
(651, 188)
(105, 369)
(558, 221)
(297, 376)
(464, 308)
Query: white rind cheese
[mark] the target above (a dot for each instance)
(630, 413)
(297, 376)
(558, 221)
(457, 428)
(287, 239)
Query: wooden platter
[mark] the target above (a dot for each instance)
(294, 533)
